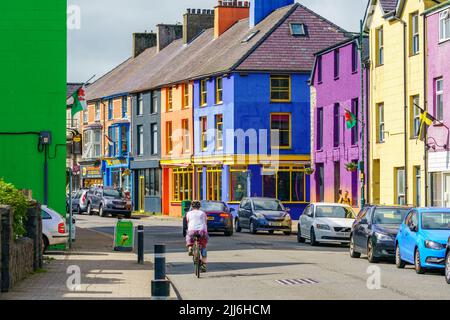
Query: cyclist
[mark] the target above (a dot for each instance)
(197, 225)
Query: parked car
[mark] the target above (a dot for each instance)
(54, 229)
(79, 202)
(106, 200)
(422, 239)
(374, 232)
(326, 222)
(447, 262)
(263, 214)
(220, 217)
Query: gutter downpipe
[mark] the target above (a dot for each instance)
(425, 104)
(405, 100)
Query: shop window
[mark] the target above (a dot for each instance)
(287, 184)
(214, 183)
(238, 183)
(182, 184)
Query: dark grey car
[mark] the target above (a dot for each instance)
(108, 201)
(263, 214)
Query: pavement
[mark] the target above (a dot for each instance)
(104, 274)
(241, 267)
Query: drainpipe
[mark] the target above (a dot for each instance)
(425, 104)
(405, 100)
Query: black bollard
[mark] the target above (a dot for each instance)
(140, 250)
(160, 285)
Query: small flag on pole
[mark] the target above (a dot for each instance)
(426, 120)
(79, 100)
(350, 119)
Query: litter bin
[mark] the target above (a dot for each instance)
(185, 206)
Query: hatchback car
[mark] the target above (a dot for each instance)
(54, 229)
(374, 232)
(79, 201)
(220, 217)
(325, 222)
(108, 201)
(447, 262)
(422, 239)
(263, 214)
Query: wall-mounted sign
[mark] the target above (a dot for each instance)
(91, 172)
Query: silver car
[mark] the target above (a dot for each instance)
(54, 229)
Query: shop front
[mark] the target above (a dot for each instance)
(117, 174)
(91, 175)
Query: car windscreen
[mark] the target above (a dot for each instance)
(267, 205)
(436, 221)
(213, 207)
(334, 212)
(389, 216)
(112, 193)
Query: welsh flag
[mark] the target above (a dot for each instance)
(350, 119)
(79, 100)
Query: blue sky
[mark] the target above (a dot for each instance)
(104, 39)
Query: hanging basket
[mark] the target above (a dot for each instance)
(351, 167)
(309, 171)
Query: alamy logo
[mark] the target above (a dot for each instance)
(374, 280)
(74, 281)
(73, 17)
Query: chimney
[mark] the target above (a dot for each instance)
(143, 41)
(227, 13)
(260, 9)
(195, 21)
(167, 33)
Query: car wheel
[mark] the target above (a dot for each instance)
(45, 244)
(287, 233)
(238, 226)
(79, 211)
(252, 228)
(100, 211)
(398, 258)
(300, 239)
(370, 254)
(313, 238)
(228, 233)
(353, 253)
(447, 267)
(271, 232)
(417, 265)
(89, 209)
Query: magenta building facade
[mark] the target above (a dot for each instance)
(335, 88)
(438, 104)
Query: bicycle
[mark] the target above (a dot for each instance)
(197, 255)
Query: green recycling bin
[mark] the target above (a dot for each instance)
(185, 206)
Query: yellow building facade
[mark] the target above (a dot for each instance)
(396, 90)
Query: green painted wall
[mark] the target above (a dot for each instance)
(33, 85)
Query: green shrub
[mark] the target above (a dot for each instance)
(12, 197)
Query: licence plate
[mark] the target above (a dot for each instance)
(120, 207)
(342, 234)
(275, 224)
(210, 218)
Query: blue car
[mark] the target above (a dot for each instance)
(422, 239)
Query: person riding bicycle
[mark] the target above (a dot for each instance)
(197, 225)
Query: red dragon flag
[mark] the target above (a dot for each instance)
(79, 100)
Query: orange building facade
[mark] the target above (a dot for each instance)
(177, 146)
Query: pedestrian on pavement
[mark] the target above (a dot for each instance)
(346, 199)
(197, 225)
(341, 198)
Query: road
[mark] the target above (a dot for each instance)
(250, 267)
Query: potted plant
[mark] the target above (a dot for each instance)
(309, 171)
(351, 166)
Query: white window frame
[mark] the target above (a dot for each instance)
(416, 115)
(444, 25)
(415, 33)
(401, 188)
(381, 123)
(439, 99)
(380, 38)
(92, 143)
(140, 104)
(154, 133)
(97, 111)
(140, 142)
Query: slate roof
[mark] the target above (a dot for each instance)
(272, 48)
(388, 5)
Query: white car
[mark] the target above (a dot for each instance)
(326, 222)
(54, 229)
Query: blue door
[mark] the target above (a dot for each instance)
(410, 237)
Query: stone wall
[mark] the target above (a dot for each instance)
(19, 257)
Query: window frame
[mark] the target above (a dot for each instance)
(415, 116)
(185, 177)
(186, 96)
(124, 107)
(214, 176)
(97, 112)
(219, 90)
(319, 140)
(398, 193)
(304, 32)
(169, 138)
(154, 139)
(203, 121)
(444, 23)
(155, 105)
(439, 112)
(336, 125)
(355, 130)
(281, 89)
(380, 46)
(355, 56)
(110, 109)
(380, 123)
(336, 57)
(278, 147)
(203, 93)
(140, 105)
(234, 170)
(414, 34)
(319, 69)
(217, 117)
(140, 140)
(169, 99)
(186, 135)
(291, 169)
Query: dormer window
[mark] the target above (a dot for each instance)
(298, 29)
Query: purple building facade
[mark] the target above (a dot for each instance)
(335, 88)
(438, 104)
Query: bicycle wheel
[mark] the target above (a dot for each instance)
(197, 264)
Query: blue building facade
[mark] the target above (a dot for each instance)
(251, 137)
